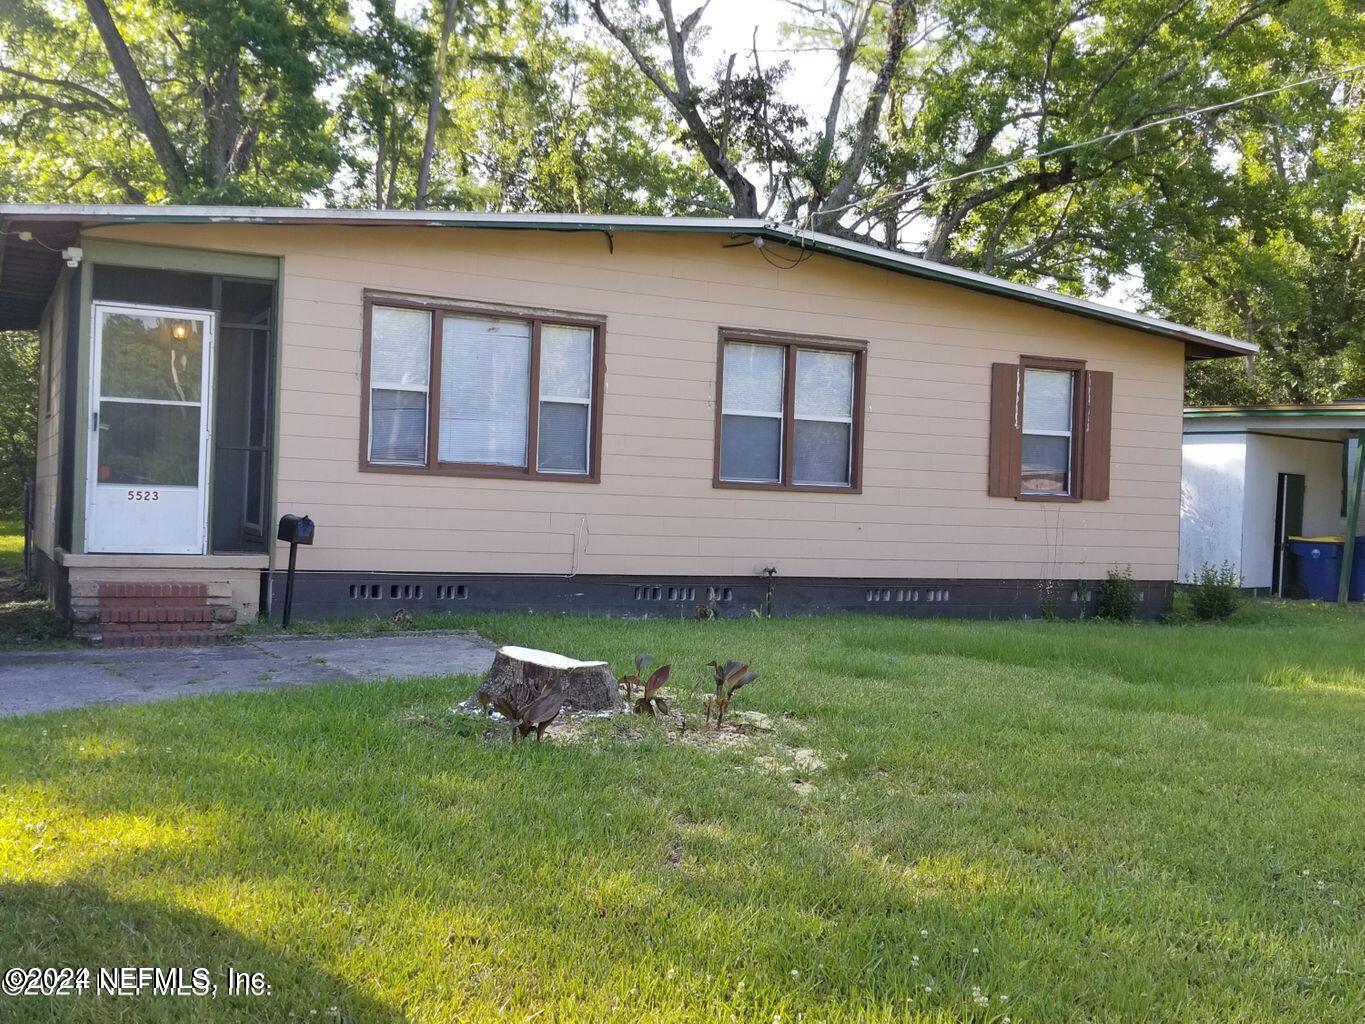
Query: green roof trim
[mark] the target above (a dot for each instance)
(1198, 343)
(1277, 412)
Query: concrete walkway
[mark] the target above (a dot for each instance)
(32, 681)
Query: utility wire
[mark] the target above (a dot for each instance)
(1108, 137)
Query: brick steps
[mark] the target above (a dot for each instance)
(139, 613)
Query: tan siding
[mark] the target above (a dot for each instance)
(924, 510)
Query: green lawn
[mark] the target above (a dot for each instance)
(25, 618)
(11, 545)
(1031, 821)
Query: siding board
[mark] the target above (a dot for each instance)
(924, 510)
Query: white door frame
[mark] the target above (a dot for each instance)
(208, 318)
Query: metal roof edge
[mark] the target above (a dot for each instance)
(1273, 412)
(827, 244)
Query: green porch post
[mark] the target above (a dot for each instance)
(1352, 520)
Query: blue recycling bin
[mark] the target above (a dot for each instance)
(1319, 564)
(1356, 588)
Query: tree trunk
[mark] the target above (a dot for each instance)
(897, 22)
(434, 105)
(520, 673)
(140, 103)
(380, 164)
(223, 112)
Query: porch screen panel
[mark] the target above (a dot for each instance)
(485, 390)
(400, 368)
(240, 441)
(149, 445)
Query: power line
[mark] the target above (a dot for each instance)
(1108, 137)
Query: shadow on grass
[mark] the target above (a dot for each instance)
(74, 924)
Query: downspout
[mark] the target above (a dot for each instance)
(1352, 521)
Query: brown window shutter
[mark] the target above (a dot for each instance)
(1099, 420)
(1005, 426)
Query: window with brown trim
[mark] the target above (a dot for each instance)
(1050, 430)
(789, 412)
(481, 392)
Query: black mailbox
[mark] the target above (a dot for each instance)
(296, 530)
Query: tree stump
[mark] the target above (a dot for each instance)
(520, 673)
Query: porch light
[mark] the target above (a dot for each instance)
(180, 330)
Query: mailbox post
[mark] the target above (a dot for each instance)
(294, 530)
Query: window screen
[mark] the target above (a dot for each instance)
(566, 364)
(1045, 458)
(751, 421)
(822, 437)
(400, 365)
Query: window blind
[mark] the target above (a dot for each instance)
(485, 390)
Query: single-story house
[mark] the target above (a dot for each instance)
(1257, 475)
(627, 415)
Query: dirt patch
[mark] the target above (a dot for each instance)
(792, 759)
(741, 730)
(569, 727)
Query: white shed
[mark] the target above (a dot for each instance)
(1254, 475)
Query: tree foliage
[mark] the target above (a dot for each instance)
(960, 129)
(169, 100)
(18, 415)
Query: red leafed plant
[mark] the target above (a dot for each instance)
(650, 702)
(536, 714)
(730, 677)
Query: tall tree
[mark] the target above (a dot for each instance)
(387, 83)
(188, 100)
(140, 105)
(1281, 257)
(739, 117)
(448, 9)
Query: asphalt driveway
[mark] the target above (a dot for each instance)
(33, 681)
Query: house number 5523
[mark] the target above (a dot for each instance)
(144, 495)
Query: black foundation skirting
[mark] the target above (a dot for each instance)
(327, 595)
(53, 579)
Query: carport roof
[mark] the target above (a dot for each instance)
(28, 270)
(1333, 421)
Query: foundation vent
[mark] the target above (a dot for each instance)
(653, 593)
(904, 595)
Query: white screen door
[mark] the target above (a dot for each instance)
(149, 437)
